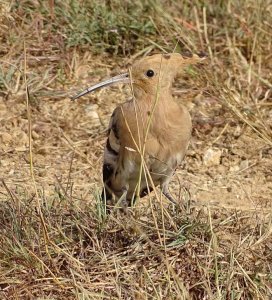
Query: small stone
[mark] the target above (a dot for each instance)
(20, 149)
(237, 132)
(91, 112)
(21, 138)
(244, 164)
(5, 137)
(4, 163)
(212, 157)
(35, 135)
(11, 172)
(234, 169)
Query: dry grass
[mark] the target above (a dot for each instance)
(55, 240)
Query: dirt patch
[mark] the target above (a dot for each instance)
(227, 164)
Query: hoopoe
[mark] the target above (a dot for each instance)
(149, 134)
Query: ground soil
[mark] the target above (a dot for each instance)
(227, 163)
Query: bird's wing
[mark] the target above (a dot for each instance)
(112, 148)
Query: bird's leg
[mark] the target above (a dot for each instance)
(122, 202)
(166, 193)
(123, 199)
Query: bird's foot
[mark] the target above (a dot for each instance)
(122, 202)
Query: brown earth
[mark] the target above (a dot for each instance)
(228, 164)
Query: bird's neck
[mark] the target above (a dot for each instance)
(160, 106)
(153, 97)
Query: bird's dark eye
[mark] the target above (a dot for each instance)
(149, 73)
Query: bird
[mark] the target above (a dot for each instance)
(148, 135)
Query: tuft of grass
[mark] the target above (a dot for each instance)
(205, 253)
(113, 26)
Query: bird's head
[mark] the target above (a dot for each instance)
(151, 74)
(156, 73)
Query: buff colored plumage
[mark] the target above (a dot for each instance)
(148, 135)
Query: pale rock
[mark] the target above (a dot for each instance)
(237, 132)
(21, 138)
(91, 112)
(11, 172)
(5, 137)
(212, 157)
(244, 164)
(4, 163)
(234, 169)
(20, 149)
(35, 135)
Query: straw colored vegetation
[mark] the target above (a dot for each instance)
(55, 240)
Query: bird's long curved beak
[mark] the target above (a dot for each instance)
(124, 78)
